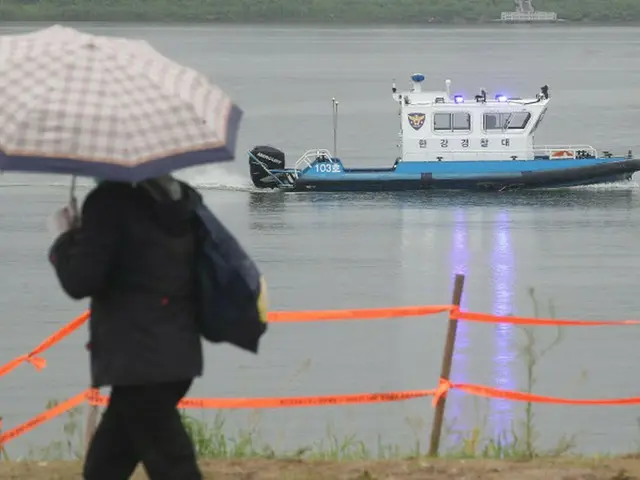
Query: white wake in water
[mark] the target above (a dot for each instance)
(217, 177)
(630, 185)
(37, 180)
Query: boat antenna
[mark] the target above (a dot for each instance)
(335, 128)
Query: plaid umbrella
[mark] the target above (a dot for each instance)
(106, 107)
(11, 44)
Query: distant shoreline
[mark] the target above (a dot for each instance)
(313, 13)
(311, 23)
(333, 13)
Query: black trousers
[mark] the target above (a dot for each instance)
(142, 424)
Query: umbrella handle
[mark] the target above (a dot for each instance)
(72, 191)
(73, 203)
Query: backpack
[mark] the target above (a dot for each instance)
(231, 291)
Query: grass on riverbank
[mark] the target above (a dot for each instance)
(473, 452)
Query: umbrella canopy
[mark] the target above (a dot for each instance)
(11, 44)
(106, 107)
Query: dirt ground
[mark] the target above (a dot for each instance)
(423, 469)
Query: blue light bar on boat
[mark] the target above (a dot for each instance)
(417, 77)
(501, 98)
(458, 98)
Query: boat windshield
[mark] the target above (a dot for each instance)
(516, 120)
(506, 120)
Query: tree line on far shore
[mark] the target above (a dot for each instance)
(310, 11)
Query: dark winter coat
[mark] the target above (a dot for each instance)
(134, 256)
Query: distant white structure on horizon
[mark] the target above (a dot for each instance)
(525, 13)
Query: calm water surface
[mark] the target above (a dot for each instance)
(578, 248)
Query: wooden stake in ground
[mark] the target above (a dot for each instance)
(445, 373)
(92, 424)
(3, 452)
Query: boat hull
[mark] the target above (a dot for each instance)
(412, 185)
(497, 176)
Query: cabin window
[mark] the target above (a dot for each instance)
(461, 121)
(517, 120)
(506, 120)
(448, 122)
(441, 121)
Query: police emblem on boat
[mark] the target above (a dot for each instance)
(416, 120)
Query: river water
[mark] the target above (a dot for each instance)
(577, 248)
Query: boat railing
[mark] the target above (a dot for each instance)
(559, 152)
(311, 156)
(529, 16)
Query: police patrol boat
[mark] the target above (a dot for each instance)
(450, 142)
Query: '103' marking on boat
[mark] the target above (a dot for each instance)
(327, 167)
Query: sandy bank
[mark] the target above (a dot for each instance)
(424, 469)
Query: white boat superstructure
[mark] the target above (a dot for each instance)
(436, 125)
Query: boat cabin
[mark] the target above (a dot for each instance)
(438, 126)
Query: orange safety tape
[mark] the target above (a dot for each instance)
(32, 357)
(274, 317)
(488, 318)
(455, 313)
(356, 314)
(286, 402)
(490, 392)
(42, 418)
(333, 315)
(94, 398)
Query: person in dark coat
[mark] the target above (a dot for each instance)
(133, 255)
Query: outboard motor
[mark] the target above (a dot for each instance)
(268, 158)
